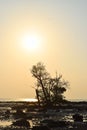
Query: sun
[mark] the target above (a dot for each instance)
(31, 42)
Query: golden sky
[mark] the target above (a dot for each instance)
(60, 28)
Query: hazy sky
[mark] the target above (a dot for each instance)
(62, 26)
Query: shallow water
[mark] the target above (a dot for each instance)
(5, 123)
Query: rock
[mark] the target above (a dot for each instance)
(78, 118)
(19, 114)
(40, 128)
(51, 123)
(7, 112)
(62, 124)
(21, 123)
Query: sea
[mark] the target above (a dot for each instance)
(34, 99)
(18, 99)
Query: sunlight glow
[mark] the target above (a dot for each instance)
(31, 42)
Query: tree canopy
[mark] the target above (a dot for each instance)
(49, 90)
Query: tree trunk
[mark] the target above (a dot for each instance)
(44, 91)
(38, 97)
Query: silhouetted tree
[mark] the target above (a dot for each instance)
(57, 87)
(42, 76)
(48, 90)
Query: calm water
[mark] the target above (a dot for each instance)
(18, 99)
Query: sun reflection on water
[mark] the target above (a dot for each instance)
(27, 99)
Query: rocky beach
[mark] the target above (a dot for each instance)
(27, 115)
